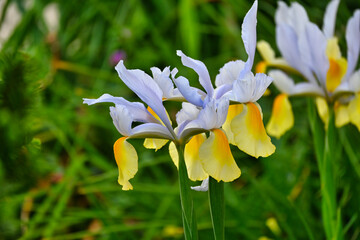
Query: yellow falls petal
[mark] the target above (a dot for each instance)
(127, 162)
(233, 111)
(323, 110)
(216, 157)
(282, 118)
(265, 50)
(174, 154)
(192, 160)
(342, 116)
(249, 132)
(154, 143)
(191, 156)
(354, 111)
(337, 67)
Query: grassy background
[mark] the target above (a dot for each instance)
(57, 170)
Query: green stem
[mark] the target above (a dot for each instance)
(187, 206)
(325, 154)
(217, 207)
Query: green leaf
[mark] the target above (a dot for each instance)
(217, 207)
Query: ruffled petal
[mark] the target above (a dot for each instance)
(229, 73)
(329, 18)
(154, 143)
(216, 157)
(127, 162)
(354, 111)
(323, 110)
(282, 118)
(249, 132)
(233, 111)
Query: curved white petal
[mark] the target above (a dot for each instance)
(248, 35)
(151, 130)
(163, 80)
(312, 45)
(354, 81)
(200, 68)
(191, 94)
(286, 85)
(282, 81)
(203, 187)
(122, 119)
(353, 43)
(287, 42)
(146, 89)
(229, 73)
(330, 18)
(137, 110)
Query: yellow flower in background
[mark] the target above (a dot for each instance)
(316, 56)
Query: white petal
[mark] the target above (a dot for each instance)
(354, 81)
(308, 88)
(121, 119)
(151, 130)
(312, 45)
(229, 73)
(191, 94)
(248, 35)
(353, 42)
(203, 187)
(287, 42)
(330, 18)
(137, 110)
(145, 88)
(163, 80)
(294, 16)
(251, 88)
(200, 68)
(282, 82)
(188, 112)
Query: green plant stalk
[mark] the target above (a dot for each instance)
(217, 207)
(187, 206)
(325, 153)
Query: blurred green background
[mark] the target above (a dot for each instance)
(58, 176)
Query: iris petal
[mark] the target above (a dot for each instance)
(249, 132)
(217, 159)
(127, 162)
(354, 111)
(192, 160)
(154, 143)
(233, 111)
(282, 118)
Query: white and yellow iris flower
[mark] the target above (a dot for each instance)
(315, 54)
(243, 126)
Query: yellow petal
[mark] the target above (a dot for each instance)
(154, 143)
(192, 160)
(342, 116)
(174, 154)
(323, 110)
(216, 157)
(261, 67)
(282, 118)
(233, 111)
(191, 155)
(127, 162)
(354, 111)
(337, 67)
(249, 132)
(265, 50)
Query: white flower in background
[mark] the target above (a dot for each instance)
(315, 54)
